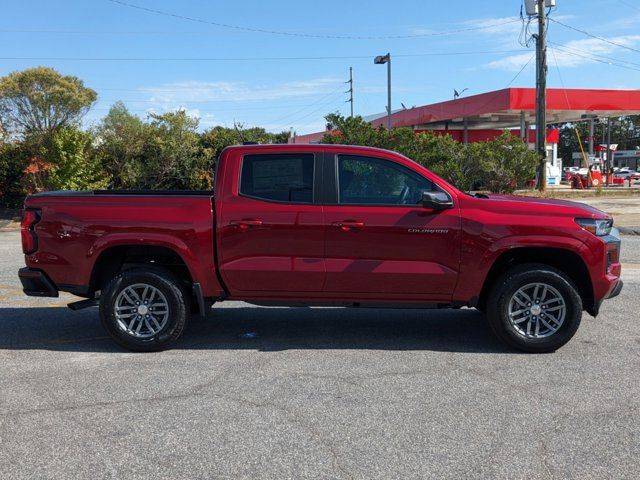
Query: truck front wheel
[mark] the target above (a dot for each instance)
(534, 308)
(144, 309)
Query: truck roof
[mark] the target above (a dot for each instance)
(306, 146)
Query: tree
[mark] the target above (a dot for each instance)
(40, 100)
(498, 165)
(75, 163)
(68, 162)
(12, 163)
(503, 163)
(217, 138)
(121, 138)
(440, 153)
(173, 156)
(356, 131)
(164, 152)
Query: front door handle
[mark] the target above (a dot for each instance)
(246, 223)
(347, 225)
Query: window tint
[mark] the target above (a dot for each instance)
(278, 177)
(367, 180)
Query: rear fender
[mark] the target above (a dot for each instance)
(201, 272)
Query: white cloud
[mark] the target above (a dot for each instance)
(487, 26)
(197, 91)
(190, 95)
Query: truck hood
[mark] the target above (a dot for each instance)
(543, 203)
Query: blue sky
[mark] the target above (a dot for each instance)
(282, 93)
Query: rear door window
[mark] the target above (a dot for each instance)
(286, 178)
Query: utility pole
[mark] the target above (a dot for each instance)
(608, 164)
(350, 91)
(541, 95)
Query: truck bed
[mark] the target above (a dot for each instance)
(74, 231)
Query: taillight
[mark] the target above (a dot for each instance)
(30, 218)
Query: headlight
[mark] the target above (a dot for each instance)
(600, 228)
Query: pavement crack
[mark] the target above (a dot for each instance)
(159, 398)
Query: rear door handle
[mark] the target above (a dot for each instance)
(347, 225)
(246, 223)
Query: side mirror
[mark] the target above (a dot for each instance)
(436, 200)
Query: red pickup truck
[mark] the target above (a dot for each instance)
(321, 225)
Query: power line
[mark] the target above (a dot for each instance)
(569, 52)
(253, 59)
(308, 35)
(584, 32)
(629, 5)
(619, 60)
(521, 70)
(324, 97)
(321, 107)
(109, 32)
(103, 101)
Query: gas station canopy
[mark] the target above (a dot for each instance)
(485, 115)
(509, 107)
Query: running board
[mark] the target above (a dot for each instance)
(89, 302)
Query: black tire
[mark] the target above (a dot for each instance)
(506, 287)
(172, 325)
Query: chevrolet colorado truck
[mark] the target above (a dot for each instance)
(321, 225)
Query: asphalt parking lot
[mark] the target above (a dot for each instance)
(315, 393)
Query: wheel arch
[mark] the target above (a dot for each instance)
(567, 261)
(117, 258)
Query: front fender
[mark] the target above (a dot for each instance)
(477, 262)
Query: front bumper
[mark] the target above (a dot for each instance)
(616, 290)
(36, 283)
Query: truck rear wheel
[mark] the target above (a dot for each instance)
(534, 308)
(144, 309)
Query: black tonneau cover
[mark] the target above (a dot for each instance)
(79, 193)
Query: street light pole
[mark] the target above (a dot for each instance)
(379, 60)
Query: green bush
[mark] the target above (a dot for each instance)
(504, 163)
(75, 164)
(13, 161)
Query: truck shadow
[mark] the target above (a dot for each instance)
(265, 329)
